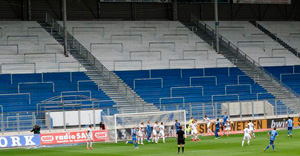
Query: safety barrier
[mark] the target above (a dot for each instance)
(145, 79)
(203, 77)
(189, 51)
(121, 45)
(160, 55)
(250, 87)
(133, 28)
(129, 35)
(284, 59)
(176, 35)
(280, 49)
(11, 64)
(158, 43)
(286, 74)
(234, 27)
(26, 54)
(233, 60)
(192, 28)
(252, 42)
(194, 61)
(212, 97)
(141, 62)
(63, 93)
(15, 94)
(43, 75)
(102, 28)
(24, 36)
(165, 98)
(239, 76)
(60, 65)
(32, 83)
(171, 89)
(11, 45)
(50, 44)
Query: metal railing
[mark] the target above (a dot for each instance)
(26, 54)
(39, 28)
(127, 35)
(278, 57)
(121, 45)
(250, 87)
(93, 81)
(234, 27)
(176, 35)
(172, 88)
(194, 51)
(252, 42)
(203, 77)
(239, 53)
(160, 55)
(32, 83)
(24, 36)
(50, 44)
(128, 61)
(180, 60)
(145, 79)
(162, 43)
(115, 81)
(132, 28)
(11, 45)
(12, 64)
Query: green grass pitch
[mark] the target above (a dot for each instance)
(208, 146)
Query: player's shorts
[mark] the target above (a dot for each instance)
(194, 132)
(154, 132)
(140, 134)
(149, 133)
(181, 141)
(271, 142)
(290, 128)
(227, 129)
(208, 125)
(247, 137)
(134, 139)
(251, 129)
(161, 133)
(90, 138)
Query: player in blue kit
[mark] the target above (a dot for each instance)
(289, 125)
(272, 134)
(148, 131)
(217, 129)
(177, 125)
(225, 118)
(134, 138)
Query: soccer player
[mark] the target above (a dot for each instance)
(225, 118)
(180, 139)
(141, 134)
(190, 122)
(207, 121)
(217, 129)
(177, 125)
(246, 136)
(162, 131)
(251, 128)
(90, 138)
(272, 134)
(134, 139)
(227, 128)
(154, 131)
(289, 124)
(148, 131)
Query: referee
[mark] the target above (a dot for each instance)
(180, 139)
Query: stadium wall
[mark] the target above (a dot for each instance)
(91, 10)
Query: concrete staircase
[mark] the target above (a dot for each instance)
(275, 38)
(127, 101)
(248, 66)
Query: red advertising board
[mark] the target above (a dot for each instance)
(72, 137)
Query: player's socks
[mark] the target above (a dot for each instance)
(182, 149)
(243, 143)
(273, 146)
(130, 142)
(178, 150)
(91, 144)
(87, 144)
(164, 140)
(135, 144)
(248, 142)
(268, 147)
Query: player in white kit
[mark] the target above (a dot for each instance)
(162, 132)
(90, 138)
(227, 128)
(251, 128)
(207, 121)
(246, 135)
(155, 132)
(194, 132)
(141, 134)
